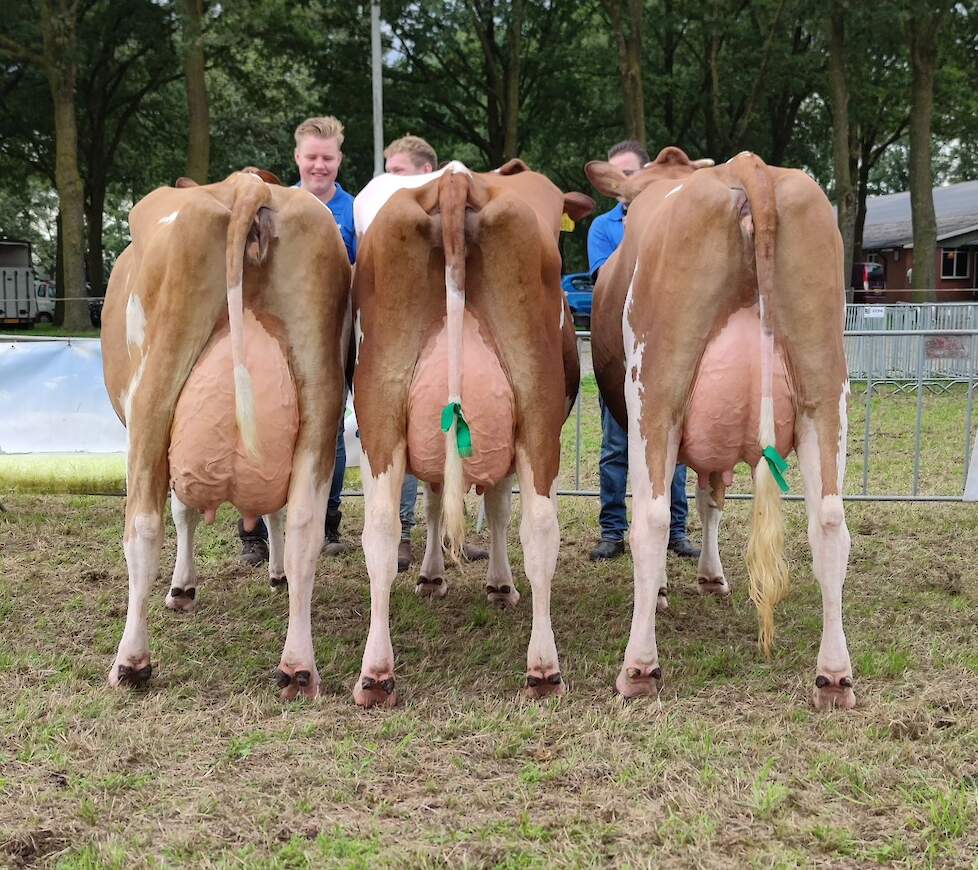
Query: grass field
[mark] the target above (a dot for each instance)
(730, 768)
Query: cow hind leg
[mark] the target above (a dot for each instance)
(648, 539)
(500, 588)
(709, 571)
(540, 538)
(381, 534)
(297, 674)
(828, 536)
(183, 588)
(431, 579)
(275, 524)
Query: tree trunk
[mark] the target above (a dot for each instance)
(922, 30)
(511, 79)
(59, 274)
(58, 30)
(862, 191)
(670, 44)
(627, 30)
(845, 196)
(198, 113)
(94, 217)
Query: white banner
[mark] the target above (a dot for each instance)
(53, 400)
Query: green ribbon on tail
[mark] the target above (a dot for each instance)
(463, 437)
(777, 464)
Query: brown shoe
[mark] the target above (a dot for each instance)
(474, 553)
(404, 556)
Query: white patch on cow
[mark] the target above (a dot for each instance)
(498, 507)
(649, 534)
(381, 533)
(141, 546)
(170, 218)
(540, 538)
(185, 520)
(374, 196)
(127, 399)
(458, 166)
(561, 315)
(357, 337)
(676, 189)
(709, 566)
(843, 432)
(275, 523)
(135, 323)
(131, 391)
(828, 538)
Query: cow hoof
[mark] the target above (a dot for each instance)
(541, 685)
(833, 692)
(293, 682)
(184, 600)
(661, 601)
(635, 682)
(375, 691)
(712, 586)
(135, 674)
(502, 596)
(431, 587)
(279, 582)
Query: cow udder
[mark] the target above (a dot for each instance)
(208, 461)
(487, 403)
(721, 426)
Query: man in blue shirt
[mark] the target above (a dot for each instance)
(318, 156)
(603, 239)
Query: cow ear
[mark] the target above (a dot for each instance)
(513, 167)
(577, 205)
(670, 156)
(183, 181)
(606, 178)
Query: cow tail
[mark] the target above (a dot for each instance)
(766, 566)
(250, 195)
(453, 193)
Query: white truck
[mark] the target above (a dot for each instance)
(18, 297)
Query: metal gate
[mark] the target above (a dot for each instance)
(912, 371)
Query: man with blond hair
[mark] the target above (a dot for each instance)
(410, 155)
(318, 155)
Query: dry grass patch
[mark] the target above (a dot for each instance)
(730, 768)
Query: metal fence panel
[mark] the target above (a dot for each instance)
(909, 353)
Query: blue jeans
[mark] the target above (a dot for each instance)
(613, 468)
(409, 497)
(339, 469)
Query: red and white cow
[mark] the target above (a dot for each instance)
(223, 338)
(717, 336)
(462, 331)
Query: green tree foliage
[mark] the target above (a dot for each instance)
(482, 80)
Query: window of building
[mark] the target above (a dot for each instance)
(954, 263)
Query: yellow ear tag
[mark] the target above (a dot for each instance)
(566, 224)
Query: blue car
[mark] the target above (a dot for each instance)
(578, 288)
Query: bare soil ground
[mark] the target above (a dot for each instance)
(731, 768)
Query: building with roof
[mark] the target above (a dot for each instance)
(888, 239)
